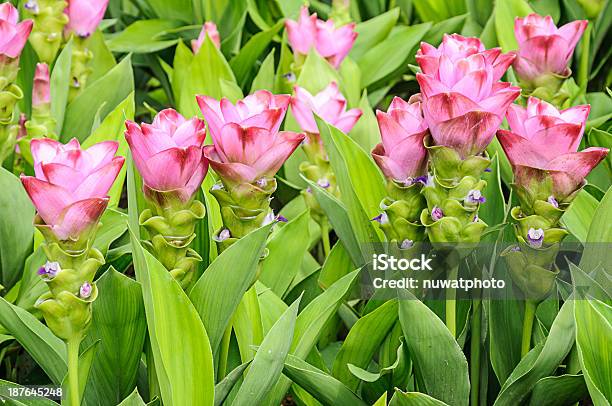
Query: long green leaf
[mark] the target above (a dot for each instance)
(45, 348)
(596, 250)
(218, 292)
(594, 338)
(185, 372)
(440, 367)
(322, 386)
(558, 390)
(16, 229)
(268, 363)
(413, 399)
(119, 325)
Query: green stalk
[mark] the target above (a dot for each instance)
(224, 351)
(451, 303)
(475, 352)
(530, 309)
(253, 305)
(325, 237)
(583, 67)
(73, 345)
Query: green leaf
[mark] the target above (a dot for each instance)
(143, 36)
(100, 97)
(44, 347)
(181, 10)
(185, 373)
(338, 216)
(268, 363)
(119, 326)
(413, 399)
(322, 386)
(596, 251)
(202, 76)
(113, 129)
(440, 367)
(578, 218)
(594, 338)
(220, 289)
(366, 132)
(436, 32)
(286, 247)
(265, 75)
(392, 54)
(493, 212)
(133, 400)
(505, 12)
(362, 341)
(113, 225)
(540, 362)
(223, 388)
(243, 63)
(558, 390)
(359, 179)
(310, 324)
(60, 85)
(372, 32)
(337, 264)
(16, 229)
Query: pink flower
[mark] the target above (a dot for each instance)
(463, 101)
(84, 16)
(329, 104)
(401, 155)
(168, 154)
(247, 145)
(41, 92)
(71, 184)
(330, 42)
(208, 29)
(13, 35)
(544, 49)
(546, 139)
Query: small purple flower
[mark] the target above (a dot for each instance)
(436, 213)
(49, 270)
(223, 235)
(32, 6)
(516, 248)
(475, 219)
(281, 218)
(535, 237)
(553, 201)
(290, 77)
(85, 290)
(406, 244)
(263, 182)
(420, 179)
(323, 182)
(308, 190)
(217, 186)
(475, 196)
(487, 169)
(382, 218)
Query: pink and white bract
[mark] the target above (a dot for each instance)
(329, 104)
(14, 34)
(84, 16)
(168, 153)
(71, 184)
(547, 139)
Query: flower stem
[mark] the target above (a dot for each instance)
(325, 237)
(583, 67)
(530, 309)
(475, 352)
(224, 351)
(451, 302)
(73, 345)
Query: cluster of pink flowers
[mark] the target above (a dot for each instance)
(331, 42)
